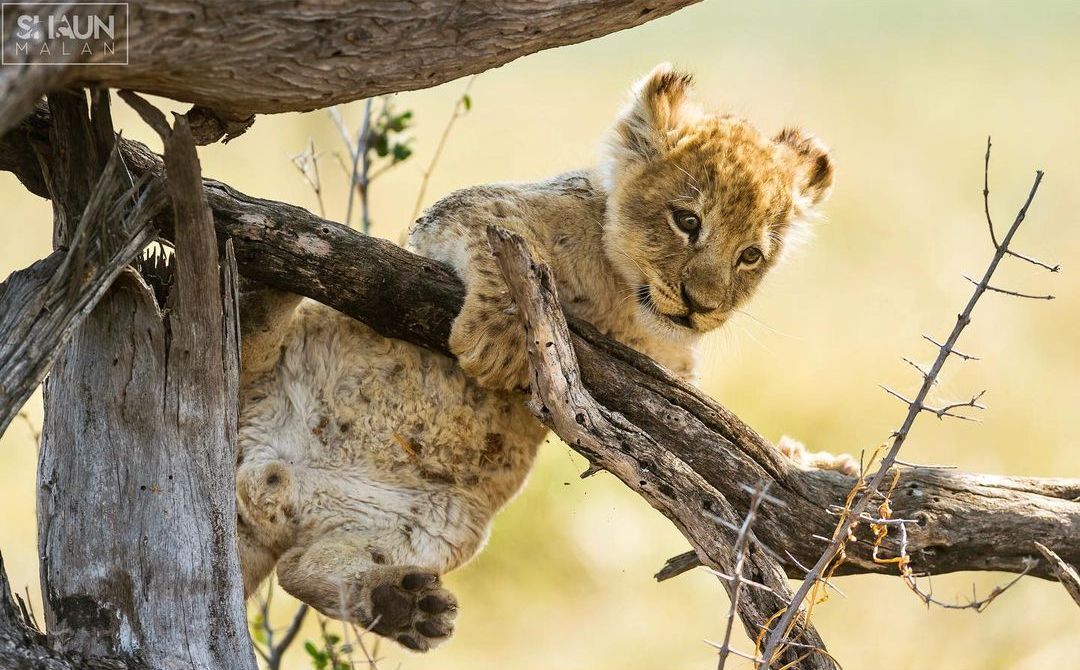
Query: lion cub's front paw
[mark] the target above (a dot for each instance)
(821, 460)
(489, 343)
(410, 606)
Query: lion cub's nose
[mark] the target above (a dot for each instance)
(695, 305)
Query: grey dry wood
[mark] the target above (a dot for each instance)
(614, 444)
(243, 58)
(136, 502)
(41, 305)
(969, 521)
(24, 647)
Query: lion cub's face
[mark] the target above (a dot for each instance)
(701, 206)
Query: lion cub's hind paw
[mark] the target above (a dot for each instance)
(414, 610)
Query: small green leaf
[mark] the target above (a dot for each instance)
(400, 122)
(401, 152)
(319, 659)
(382, 145)
(258, 629)
(466, 101)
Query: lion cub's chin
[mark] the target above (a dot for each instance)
(678, 330)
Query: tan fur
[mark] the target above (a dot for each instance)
(370, 466)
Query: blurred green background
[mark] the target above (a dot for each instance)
(905, 94)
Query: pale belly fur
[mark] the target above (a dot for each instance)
(376, 439)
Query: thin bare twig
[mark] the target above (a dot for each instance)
(358, 181)
(880, 527)
(952, 350)
(277, 653)
(986, 194)
(308, 163)
(736, 579)
(273, 652)
(990, 221)
(1008, 292)
(864, 492)
(461, 107)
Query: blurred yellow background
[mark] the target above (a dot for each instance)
(905, 94)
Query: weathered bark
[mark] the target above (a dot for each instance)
(1066, 574)
(136, 502)
(24, 647)
(968, 521)
(616, 445)
(243, 58)
(42, 305)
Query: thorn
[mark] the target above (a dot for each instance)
(939, 345)
(918, 367)
(1016, 294)
(895, 394)
(590, 471)
(1033, 261)
(761, 492)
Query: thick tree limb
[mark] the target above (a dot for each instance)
(968, 521)
(243, 58)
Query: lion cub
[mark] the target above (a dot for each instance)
(369, 466)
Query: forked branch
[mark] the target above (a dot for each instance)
(610, 442)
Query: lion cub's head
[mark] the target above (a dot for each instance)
(702, 205)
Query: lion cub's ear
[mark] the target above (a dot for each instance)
(812, 165)
(650, 123)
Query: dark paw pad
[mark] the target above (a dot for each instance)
(418, 580)
(413, 610)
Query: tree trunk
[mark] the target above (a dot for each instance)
(136, 503)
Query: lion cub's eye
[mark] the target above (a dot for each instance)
(688, 222)
(750, 257)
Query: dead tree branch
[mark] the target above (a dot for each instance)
(310, 54)
(707, 519)
(1066, 573)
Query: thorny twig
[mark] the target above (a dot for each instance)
(990, 220)
(865, 491)
(760, 495)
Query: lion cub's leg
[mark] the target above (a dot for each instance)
(339, 575)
